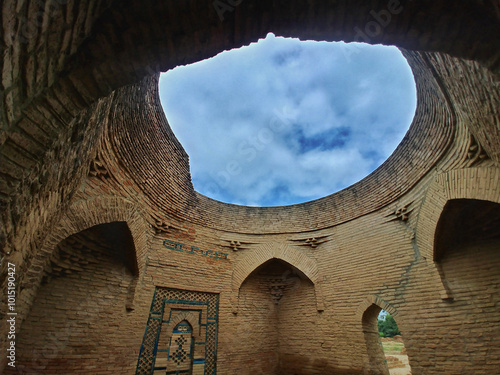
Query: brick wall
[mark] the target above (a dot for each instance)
(84, 142)
(255, 331)
(80, 323)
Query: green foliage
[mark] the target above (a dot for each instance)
(391, 347)
(388, 327)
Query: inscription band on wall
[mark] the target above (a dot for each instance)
(176, 246)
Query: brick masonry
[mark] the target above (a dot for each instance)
(98, 211)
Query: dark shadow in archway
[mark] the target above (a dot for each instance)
(86, 293)
(466, 222)
(467, 251)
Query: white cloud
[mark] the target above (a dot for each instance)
(283, 121)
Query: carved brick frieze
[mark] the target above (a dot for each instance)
(312, 242)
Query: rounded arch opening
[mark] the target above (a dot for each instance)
(408, 160)
(299, 112)
(386, 352)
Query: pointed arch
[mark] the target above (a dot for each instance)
(251, 260)
(367, 314)
(375, 300)
(84, 214)
(468, 183)
(189, 316)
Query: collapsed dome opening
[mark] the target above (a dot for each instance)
(284, 121)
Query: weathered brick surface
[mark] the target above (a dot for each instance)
(84, 143)
(79, 308)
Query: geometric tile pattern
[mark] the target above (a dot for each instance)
(207, 302)
(180, 355)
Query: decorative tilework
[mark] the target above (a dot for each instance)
(164, 302)
(180, 355)
(176, 246)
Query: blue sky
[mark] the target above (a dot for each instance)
(284, 121)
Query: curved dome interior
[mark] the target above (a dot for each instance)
(284, 121)
(85, 144)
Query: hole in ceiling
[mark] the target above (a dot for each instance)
(284, 121)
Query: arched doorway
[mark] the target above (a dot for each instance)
(382, 361)
(393, 345)
(376, 358)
